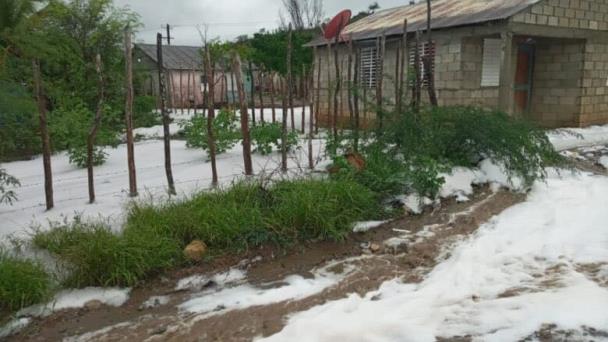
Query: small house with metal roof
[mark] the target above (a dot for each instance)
(544, 60)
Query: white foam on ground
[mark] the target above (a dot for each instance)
(566, 139)
(14, 326)
(73, 299)
(560, 226)
(198, 282)
(293, 287)
(604, 161)
(362, 227)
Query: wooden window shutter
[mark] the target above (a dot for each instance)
(490, 69)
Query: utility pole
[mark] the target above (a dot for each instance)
(168, 34)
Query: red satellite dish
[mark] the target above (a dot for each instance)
(337, 24)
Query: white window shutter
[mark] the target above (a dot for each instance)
(490, 70)
(369, 64)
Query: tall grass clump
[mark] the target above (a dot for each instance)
(412, 149)
(22, 283)
(251, 214)
(243, 216)
(93, 255)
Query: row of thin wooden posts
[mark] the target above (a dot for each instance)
(313, 99)
(210, 72)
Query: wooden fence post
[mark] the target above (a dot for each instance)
(318, 91)
(261, 96)
(272, 97)
(95, 128)
(288, 86)
(165, 114)
(44, 135)
(236, 69)
(403, 72)
(211, 116)
(129, 114)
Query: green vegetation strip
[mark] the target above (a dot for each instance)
(244, 216)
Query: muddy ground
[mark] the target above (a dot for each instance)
(410, 261)
(371, 262)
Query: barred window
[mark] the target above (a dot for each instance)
(369, 66)
(426, 49)
(490, 69)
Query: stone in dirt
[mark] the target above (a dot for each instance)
(93, 304)
(375, 248)
(195, 251)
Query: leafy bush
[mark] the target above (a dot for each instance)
(144, 114)
(96, 256)
(78, 156)
(6, 180)
(266, 137)
(70, 128)
(226, 131)
(414, 148)
(244, 216)
(18, 122)
(22, 283)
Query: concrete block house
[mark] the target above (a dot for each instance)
(545, 60)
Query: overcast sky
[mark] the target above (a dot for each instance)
(226, 19)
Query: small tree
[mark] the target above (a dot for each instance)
(6, 181)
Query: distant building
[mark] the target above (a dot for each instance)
(186, 79)
(545, 60)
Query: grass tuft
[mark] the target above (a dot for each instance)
(22, 283)
(243, 216)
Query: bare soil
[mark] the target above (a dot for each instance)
(448, 223)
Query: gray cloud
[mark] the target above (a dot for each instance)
(226, 19)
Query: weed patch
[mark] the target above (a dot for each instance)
(22, 283)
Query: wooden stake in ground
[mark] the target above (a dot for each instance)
(428, 59)
(252, 92)
(311, 99)
(381, 46)
(236, 66)
(338, 85)
(418, 83)
(356, 100)
(261, 96)
(95, 128)
(165, 114)
(305, 97)
(318, 90)
(288, 86)
(129, 114)
(403, 71)
(181, 91)
(272, 96)
(350, 89)
(44, 136)
(330, 116)
(290, 79)
(211, 116)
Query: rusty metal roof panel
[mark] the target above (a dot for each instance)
(446, 13)
(176, 57)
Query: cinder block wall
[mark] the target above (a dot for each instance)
(557, 78)
(458, 64)
(579, 14)
(594, 99)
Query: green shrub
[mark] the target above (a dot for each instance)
(22, 283)
(226, 131)
(144, 114)
(460, 136)
(244, 216)
(19, 136)
(414, 148)
(70, 127)
(266, 138)
(6, 181)
(95, 256)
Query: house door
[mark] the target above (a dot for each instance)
(523, 77)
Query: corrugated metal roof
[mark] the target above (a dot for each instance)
(446, 13)
(176, 57)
